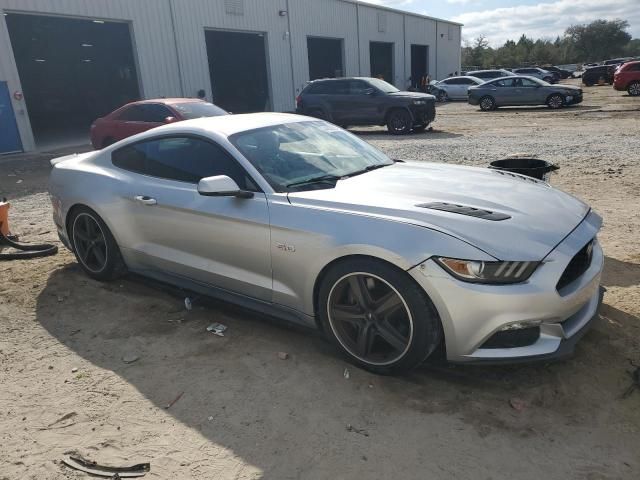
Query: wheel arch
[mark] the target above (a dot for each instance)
(395, 108)
(69, 215)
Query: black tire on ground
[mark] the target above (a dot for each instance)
(107, 141)
(399, 122)
(94, 246)
(420, 128)
(487, 103)
(442, 96)
(634, 89)
(397, 329)
(555, 101)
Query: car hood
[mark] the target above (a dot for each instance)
(412, 95)
(570, 87)
(540, 216)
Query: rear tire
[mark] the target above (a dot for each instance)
(399, 122)
(555, 101)
(94, 246)
(378, 316)
(487, 103)
(634, 89)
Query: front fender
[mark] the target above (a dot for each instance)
(305, 240)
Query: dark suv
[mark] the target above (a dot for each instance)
(594, 75)
(366, 101)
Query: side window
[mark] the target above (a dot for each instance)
(634, 68)
(505, 82)
(318, 88)
(338, 87)
(358, 87)
(466, 81)
(133, 113)
(146, 112)
(528, 83)
(155, 113)
(184, 159)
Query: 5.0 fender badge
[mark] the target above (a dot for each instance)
(285, 248)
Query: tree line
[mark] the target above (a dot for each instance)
(593, 42)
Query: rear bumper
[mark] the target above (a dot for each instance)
(472, 314)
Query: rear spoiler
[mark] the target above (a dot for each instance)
(73, 156)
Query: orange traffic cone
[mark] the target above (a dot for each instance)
(4, 217)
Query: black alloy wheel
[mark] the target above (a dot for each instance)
(94, 246)
(487, 103)
(399, 122)
(90, 243)
(370, 318)
(555, 101)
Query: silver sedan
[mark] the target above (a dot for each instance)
(297, 218)
(454, 88)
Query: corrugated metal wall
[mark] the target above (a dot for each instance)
(154, 49)
(177, 65)
(192, 17)
(338, 20)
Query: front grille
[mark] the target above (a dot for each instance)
(577, 266)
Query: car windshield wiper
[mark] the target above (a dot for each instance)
(367, 169)
(320, 179)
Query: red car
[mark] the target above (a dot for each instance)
(138, 117)
(627, 77)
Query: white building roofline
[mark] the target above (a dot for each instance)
(402, 12)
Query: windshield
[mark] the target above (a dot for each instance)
(382, 85)
(315, 152)
(191, 110)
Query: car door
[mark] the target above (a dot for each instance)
(504, 92)
(463, 87)
(530, 92)
(339, 101)
(361, 104)
(140, 118)
(168, 228)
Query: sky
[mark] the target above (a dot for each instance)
(501, 20)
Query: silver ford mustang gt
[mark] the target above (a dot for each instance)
(297, 218)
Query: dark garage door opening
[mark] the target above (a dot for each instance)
(72, 71)
(419, 65)
(381, 55)
(238, 70)
(325, 58)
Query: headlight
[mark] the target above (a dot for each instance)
(419, 102)
(488, 272)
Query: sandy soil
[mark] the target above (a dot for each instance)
(244, 413)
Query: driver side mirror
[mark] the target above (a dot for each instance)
(370, 91)
(170, 120)
(221, 186)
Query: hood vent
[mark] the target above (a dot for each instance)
(519, 176)
(468, 211)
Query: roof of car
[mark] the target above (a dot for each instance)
(228, 125)
(167, 101)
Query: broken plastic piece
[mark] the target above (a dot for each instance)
(217, 329)
(78, 463)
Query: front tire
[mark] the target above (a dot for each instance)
(634, 89)
(94, 246)
(555, 101)
(399, 122)
(442, 96)
(487, 103)
(378, 316)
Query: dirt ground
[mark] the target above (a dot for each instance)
(243, 413)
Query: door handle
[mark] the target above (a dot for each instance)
(143, 199)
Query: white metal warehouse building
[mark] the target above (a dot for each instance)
(63, 63)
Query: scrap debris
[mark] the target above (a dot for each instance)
(78, 463)
(283, 355)
(359, 431)
(635, 383)
(217, 329)
(171, 404)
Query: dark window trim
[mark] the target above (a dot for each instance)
(186, 135)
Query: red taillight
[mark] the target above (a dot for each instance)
(298, 100)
